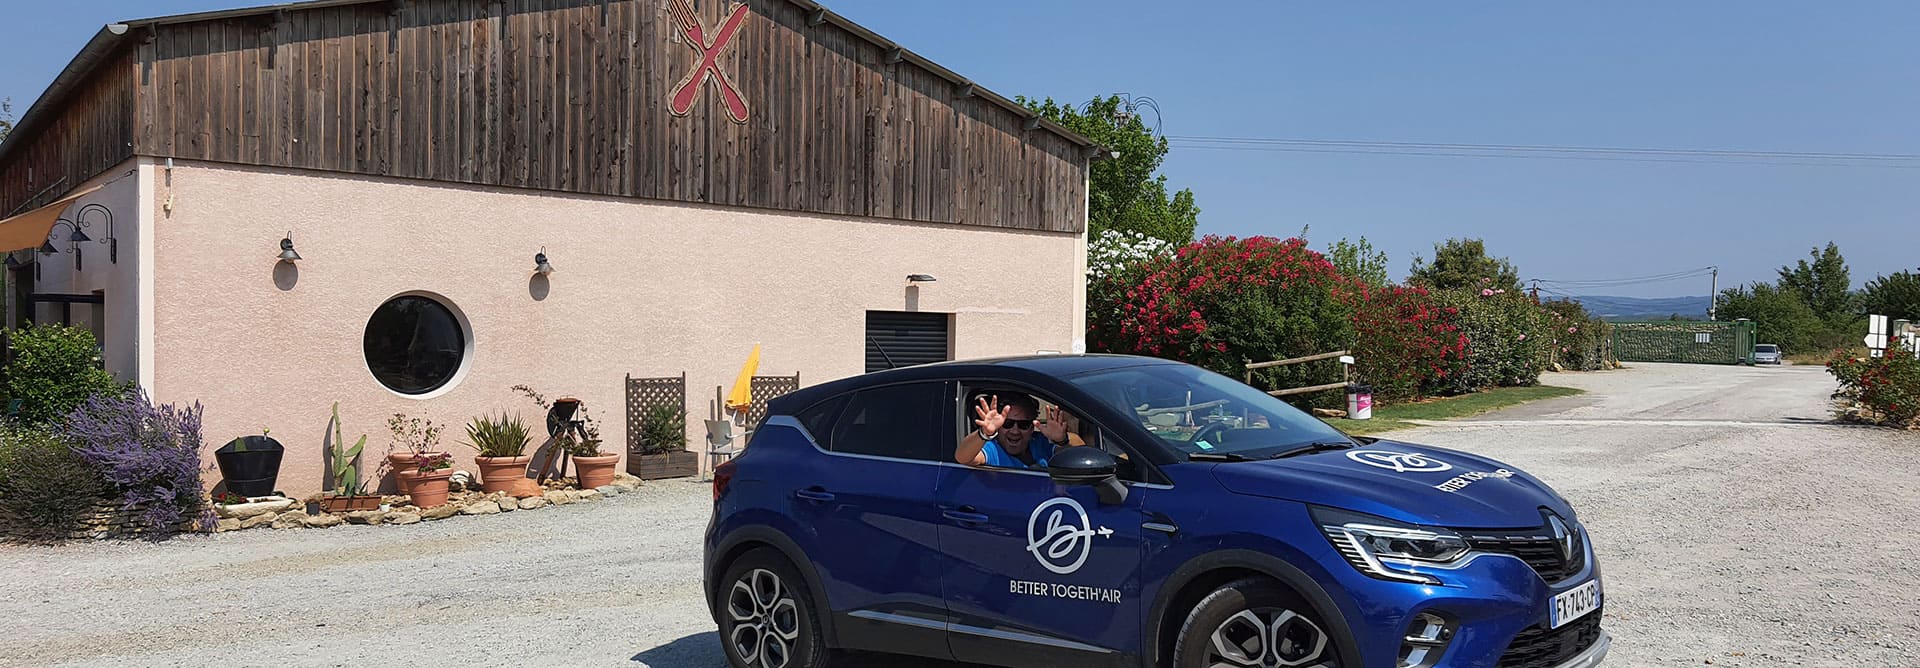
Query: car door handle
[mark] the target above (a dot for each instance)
(964, 517)
(813, 495)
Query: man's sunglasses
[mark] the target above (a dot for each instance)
(1019, 424)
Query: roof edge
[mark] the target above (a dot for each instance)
(104, 44)
(107, 40)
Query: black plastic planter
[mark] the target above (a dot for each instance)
(250, 465)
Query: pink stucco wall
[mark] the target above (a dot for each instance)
(640, 287)
(116, 280)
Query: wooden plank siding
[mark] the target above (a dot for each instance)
(571, 96)
(94, 133)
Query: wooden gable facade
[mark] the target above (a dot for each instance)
(574, 96)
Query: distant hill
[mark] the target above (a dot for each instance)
(1641, 308)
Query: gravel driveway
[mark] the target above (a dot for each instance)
(1737, 529)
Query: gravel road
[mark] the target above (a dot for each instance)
(1737, 527)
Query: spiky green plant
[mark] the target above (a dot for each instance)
(503, 437)
(346, 474)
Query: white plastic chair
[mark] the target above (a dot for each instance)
(720, 445)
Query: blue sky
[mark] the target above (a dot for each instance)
(1774, 76)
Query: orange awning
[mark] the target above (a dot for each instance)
(29, 230)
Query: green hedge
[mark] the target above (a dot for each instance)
(54, 369)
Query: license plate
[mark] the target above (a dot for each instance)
(1574, 603)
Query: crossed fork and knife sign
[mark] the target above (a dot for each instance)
(688, 90)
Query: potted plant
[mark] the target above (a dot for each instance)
(412, 438)
(425, 478)
(591, 467)
(661, 448)
(250, 465)
(500, 443)
(348, 493)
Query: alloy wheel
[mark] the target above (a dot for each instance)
(1268, 638)
(766, 620)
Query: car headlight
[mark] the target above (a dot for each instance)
(1387, 549)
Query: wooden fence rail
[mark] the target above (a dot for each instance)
(1346, 373)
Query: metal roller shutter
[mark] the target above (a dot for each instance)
(897, 338)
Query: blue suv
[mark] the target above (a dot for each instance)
(1200, 523)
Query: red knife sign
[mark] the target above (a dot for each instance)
(687, 91)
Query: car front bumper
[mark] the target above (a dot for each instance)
(1593, 656)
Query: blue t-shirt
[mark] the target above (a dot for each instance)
(1037, 445)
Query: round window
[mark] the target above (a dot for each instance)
(414, 344)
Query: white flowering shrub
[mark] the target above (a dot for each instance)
(1113, 251)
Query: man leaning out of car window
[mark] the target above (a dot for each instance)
(1006, 433)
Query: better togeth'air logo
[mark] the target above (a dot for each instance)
(1400, 462)
(1063, 539)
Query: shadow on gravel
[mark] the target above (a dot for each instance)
(702, 650)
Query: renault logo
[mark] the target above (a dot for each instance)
(1565, 537)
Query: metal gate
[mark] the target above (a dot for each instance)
(1685, 341)
(900, 338)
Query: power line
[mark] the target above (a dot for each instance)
(1633, 280)
(1554, 152)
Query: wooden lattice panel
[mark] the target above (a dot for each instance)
(764, 389)
(644, 394)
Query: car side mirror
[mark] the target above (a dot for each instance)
(1088, 466)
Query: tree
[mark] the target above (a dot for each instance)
(1464, 263)
(1822, 285)
(1896, 295)
(1125, 193)
(1359, 260)
(1781, 317)
(6, 118)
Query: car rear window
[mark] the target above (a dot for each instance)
(898, 421)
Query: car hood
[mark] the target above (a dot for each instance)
(1401, 481)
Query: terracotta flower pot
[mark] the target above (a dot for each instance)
(401, 461)
(502, 474)
(427, 489)
(595, 471)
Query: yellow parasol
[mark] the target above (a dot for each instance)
(742, 394)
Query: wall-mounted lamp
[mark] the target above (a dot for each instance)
(76, 238)
(112, 242)
(920, 278)
(540, 265)
(287, 254)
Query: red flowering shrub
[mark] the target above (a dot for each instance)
(1879, 390)
(1507, 338)
(1221, 301)
(1580, 339)
(1404, 339)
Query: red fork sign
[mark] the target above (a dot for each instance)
(687, 91)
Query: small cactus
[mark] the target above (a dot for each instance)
(346, 476)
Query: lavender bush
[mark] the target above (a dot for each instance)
(151, 454)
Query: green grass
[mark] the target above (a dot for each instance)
(1389, 418)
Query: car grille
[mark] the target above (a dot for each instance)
(1537, 548)
(1537, 647)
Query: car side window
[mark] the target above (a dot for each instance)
(818, 418)
(898, 421)
(1080, 432)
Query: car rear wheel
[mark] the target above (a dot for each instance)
(1254, 623)
(767, 618)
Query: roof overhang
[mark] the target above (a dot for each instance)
(114, 36)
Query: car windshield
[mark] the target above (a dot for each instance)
(1198, 411)
(1766, 348)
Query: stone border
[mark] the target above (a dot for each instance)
(282, 513)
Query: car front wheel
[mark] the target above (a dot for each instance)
(1254, 623)
(767, 618)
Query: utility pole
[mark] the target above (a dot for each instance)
(1713, 293)
(1536, 290)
